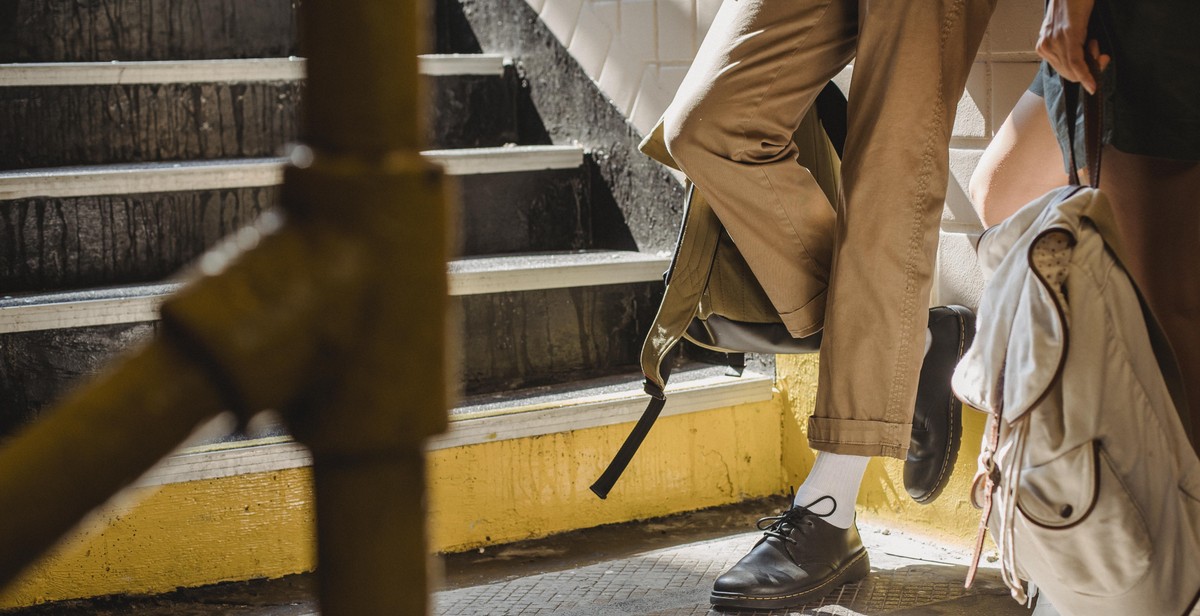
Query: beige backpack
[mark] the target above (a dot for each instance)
(712, 298)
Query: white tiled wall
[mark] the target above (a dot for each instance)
(1003, 69)
(639, 50)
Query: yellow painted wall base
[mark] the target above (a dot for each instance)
(526, 488)
(261, 525)
(882, 498)
(153, 540)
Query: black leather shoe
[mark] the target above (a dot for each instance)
(800, 558)
(937, 420)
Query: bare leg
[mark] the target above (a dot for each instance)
(1157, 205)
(1021, 163)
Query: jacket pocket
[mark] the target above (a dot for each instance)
(1079, 525)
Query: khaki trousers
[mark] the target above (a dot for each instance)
(869, 259)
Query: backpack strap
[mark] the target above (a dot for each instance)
(686, 279)
(628, 448)
(690, 269)
(988, 474)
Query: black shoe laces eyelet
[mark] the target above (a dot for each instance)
(781, 526)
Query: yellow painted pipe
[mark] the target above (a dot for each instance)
(336, 318)
(362, 75)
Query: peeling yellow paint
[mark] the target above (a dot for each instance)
(526, 488)
(261, 525)
(882, 499)
(152, 540)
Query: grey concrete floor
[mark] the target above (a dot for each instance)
(661, 567)
(909, 577)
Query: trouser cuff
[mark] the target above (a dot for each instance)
(859, 437)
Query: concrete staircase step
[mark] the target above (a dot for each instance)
(520, 198)
(475, 100)
(122, 179)
(125, 30)
(540, 271)
(530, 320)
(137, 178)
(290, 68)
(538, 411)
(150, 72)
(467, 277)
(523, 339)
(145, 122)
(88, 113)
(507, 159)
(61, 243)
(88, 226)
(594, 402)
(37, 31)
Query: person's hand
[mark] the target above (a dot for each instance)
(1062, 41)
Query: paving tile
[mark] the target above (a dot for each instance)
(650, 103)
(959, 279)
(620, 77)
(670, 76)
(628, 569)
(608, 12)
(906, 575)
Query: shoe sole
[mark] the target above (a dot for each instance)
(858, 568)
(966, 335)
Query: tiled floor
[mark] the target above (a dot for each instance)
(660, 567)
(909, 577)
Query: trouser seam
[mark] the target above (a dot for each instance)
(917, 229)
(792, 224)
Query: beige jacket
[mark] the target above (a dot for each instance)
(1097, 500)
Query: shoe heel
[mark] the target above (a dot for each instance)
(857, 570)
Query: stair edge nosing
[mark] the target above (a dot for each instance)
(129, 179)
(691, 397)
(235, 70)
(117, 311)
(151, 72)
(222, 174)
(451, 65)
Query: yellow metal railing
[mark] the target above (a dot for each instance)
(337, 318)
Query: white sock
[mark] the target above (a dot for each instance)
(837, 476)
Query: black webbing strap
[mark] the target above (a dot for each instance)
(629, 447)
(831, 110)
(1093, 120)
(737, 363)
